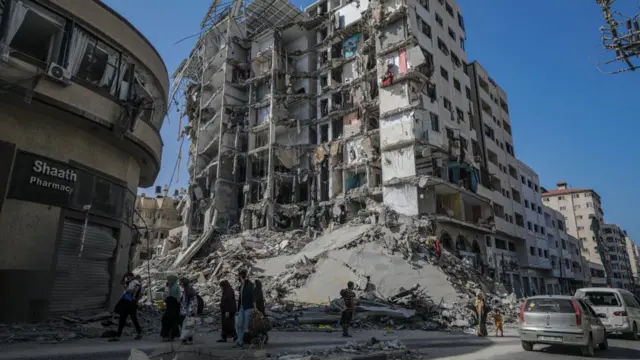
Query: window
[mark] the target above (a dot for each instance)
(461, 21)
(443, 47)
(519, 220)
(529, 225)
(539, 209)
(577, 206)
(37, 33)
(501, 244)
(452, 34)
(460, 114)
(542, 230)
(539, 252)
(426, 29)
(487, 240)
(529, 183)
(575, 196)
(447, 103)
(444, 73)
(532, 251)
(449, 9)
(563, 208)
(526, 203)
(535, 227)
(580, 227)
(96, 62)
(549, 305)
(455, 60)
(467, 92)
(589, 205)
(462, 43)
(435, 122)
(546, 254)
(560, 197)
(512, 246)
(524, 181)
(456, 84)
(439, 19)
(560, 225)
(425, 3)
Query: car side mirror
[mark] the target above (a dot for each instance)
(602, 316)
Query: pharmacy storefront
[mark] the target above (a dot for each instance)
(84, 215)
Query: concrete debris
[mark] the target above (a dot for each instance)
(400, 282)
(393, 349)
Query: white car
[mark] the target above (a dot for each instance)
(618, 309)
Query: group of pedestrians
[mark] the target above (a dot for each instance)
(237, 315)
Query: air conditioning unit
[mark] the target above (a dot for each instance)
(59, 74)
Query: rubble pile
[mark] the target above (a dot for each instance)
(400, 282)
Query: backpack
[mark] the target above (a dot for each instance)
(200, 305)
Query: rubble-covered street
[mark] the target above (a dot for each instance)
(399, 281)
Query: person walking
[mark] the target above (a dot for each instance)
(128, 306)
(261, 307)
(481, 313)
(245, 306)
(188, 311)
(349, 298)
(228, 312)
(498, 319)
(171, 317)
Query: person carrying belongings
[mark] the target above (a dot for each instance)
(171, 317)
(188, 311)
(498, 319)
(259, 325)
(228, 310)
(128, 306)
(349, 298)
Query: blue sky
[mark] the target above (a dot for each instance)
(570, 121)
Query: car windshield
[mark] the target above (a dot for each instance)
(601, 298)
(549, 305)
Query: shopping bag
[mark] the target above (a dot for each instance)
(188, 328)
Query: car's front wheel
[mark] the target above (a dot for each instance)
(527, 346)
(589, 350)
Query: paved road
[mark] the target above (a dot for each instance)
(618, 349)
(433, 345)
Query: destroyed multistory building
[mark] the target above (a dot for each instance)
(300, 118)
(154, 218)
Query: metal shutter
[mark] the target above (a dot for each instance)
(83, 283)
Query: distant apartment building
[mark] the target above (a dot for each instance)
(500, 178)
(579, 207)
(615, 243)
(154, 218)
(538, 260)
(567, 272)
(634, 258)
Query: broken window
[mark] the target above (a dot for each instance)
(322, 34)
(324, 133)
(324, 107)
(324, 58)
(447, 103)
(435, 122)
(98, 63)
(313, 135)
(324, 81)
(336, 75)
(262, 139)
(336, 51)
(336, 129)
(460, 114)
(34, 33)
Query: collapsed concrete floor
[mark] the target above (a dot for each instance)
(399, 281)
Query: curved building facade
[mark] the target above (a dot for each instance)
(82, 98)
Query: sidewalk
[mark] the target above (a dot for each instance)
(280, 342)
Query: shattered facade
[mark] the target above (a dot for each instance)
(341, 110)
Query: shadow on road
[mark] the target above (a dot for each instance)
(614, 352)
(454, 347)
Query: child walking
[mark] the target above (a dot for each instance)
(498, 319)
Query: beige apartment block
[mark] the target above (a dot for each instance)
(634, 258)
(579, 206)
(155, 217)
(615, 242)
(84, 95)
